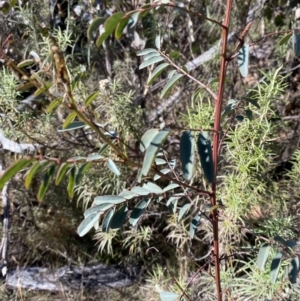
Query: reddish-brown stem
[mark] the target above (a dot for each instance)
(219, 100)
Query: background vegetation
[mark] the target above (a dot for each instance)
(258, 195)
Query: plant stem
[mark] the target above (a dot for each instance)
(219, 100)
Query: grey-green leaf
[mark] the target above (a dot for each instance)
(87, 224)
(183, 210)
(187, 154)
(138, 211)
(140, 190)
(168, 296)
(194, 224)
(171, 186)
(107, 220)
(112, 199)
(296, 44)
(153, 60)
(243, 60)
(294, 270)
(97, 209)
(169, 85)
(128, 195)
(147, 138)
(262, 256)
(205, 153)
(146, 51)
(113, 167)
(275, 267)
(153, 149)
(119, 218)
(153, 188)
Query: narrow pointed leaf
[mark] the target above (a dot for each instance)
(107, 220)
(157, 72)
(14, 169)
(36, 167)
(54, 104)
(111, 199)
(26, 63)
(63, 168)
(94, 26)
(187, 154)
(147, 138)
(169, 85)
(172, 204)
(285, 39)
(81, 171)
(294, 270)
(109, 25)
(45, 183)
(119, 218)
(91, 98)
(113, 167)
(205, 153)
(243, 60)
(97, 209)
(275, 267)
(153, 149)
(193, 225)
(120, 27)
(71, 182)
(72, 126)
(87, 224)
(153, 60)
(138, 211)
(183, 210)
(168, 296)
(69, 120)
(43, 89)
(262, 256)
